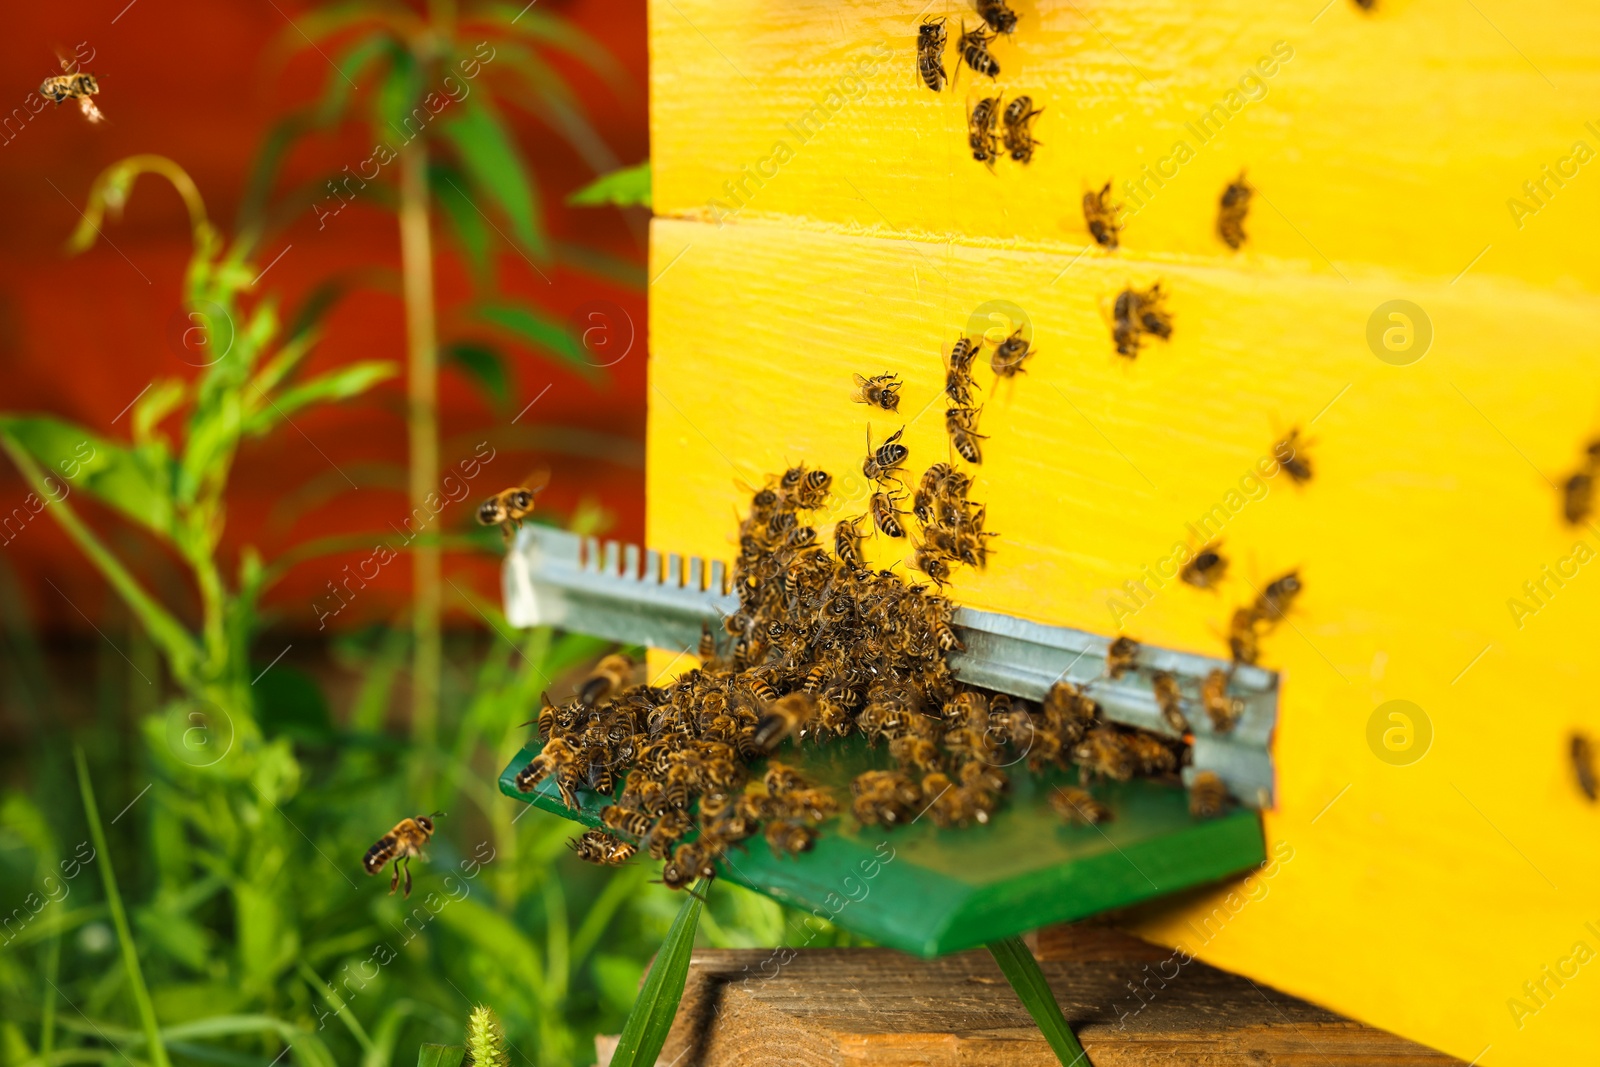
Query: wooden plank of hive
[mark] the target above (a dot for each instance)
(1131, 1004)
(1443, 891)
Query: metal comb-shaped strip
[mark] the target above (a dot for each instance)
(556, 578)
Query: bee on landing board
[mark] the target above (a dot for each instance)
(1222, 709)
(1100, 215)
(1207, 568)
(981, 138)
(931, 37)
(883, 461)
(973, 45)
(74, 85)
(885, 515)
(1207, 796)
(1018, 123)
(1121, 657)
(880, 390)
(1137, 314)
(1291, 456)
(1583, 766)
(1009, 355)
(407, 839)
(1078, 806)
(1577, 494)
(962, 426)
(507, 508)
(599, 847)
(1235, 205)
(1001, 19)
(963, 352)
(1169, 698)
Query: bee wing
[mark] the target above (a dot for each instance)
(538, 481)
(90, 111)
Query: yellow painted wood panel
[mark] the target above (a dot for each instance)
(1417, 898)
(1394, 138)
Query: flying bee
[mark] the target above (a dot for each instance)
(963, 352)
(1008, 356)
(1234, 207)
(1583, 766)
(1139, 313)
(1121, 657)
(1001, 19)
(885, 515)
(931, 38)
(1291, 457)
(973, 45)
(882, 462)
(507, 508)
(1206, 568)
(1207, 795)
(1279, 595)
(74, 85)
(981, 122)
(1222, 709)
(1018, 123)
(880, 391)
(1078, 806)
(785, 717)
(407, 839)
(597, 846)
(609, 676)
(1169, 698)
(962, 425)
(1100, 215)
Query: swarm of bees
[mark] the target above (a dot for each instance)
(407, 839)
(1231, 212)
(1136, 314)
(1577, 493)
(74, 85)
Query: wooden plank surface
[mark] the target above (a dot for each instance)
(1131, 1004)
(1416, 894)
(1398, 137)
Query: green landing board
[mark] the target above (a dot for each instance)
(929, 891)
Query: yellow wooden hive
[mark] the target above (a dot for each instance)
(819, 214)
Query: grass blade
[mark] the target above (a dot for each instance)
(441, 1055)
(1022, 971)
(119, 919)
(646, 1029)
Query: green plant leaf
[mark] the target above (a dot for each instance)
(628, 187)
(471, 229)
(340, 384)
(559, 33)
(485, 367)
(441, 1055)
(397, 96)
(1022, 971)
(77, 459)
(646, 1029)
(529, 326)
(493, 162)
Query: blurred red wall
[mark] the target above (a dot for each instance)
(81, 337)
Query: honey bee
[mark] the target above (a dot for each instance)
(609, 676)
(1278, 597)
(1577, 494)
(963, 352)
(789, 838)
(974, 48)
(633, 823)
(1102, 753)
(407, 839)
(660, 836)
(1018, 122)
(812, 492)
(919, 752)
(781, 778)
(1137, 314)
(1000, 18)
(547, 717)
(934, 564)
(1077, 806)
(1121, 657)
(1008, 357)
(1222, 709)
(1243, 641)
(885, 515)
(1583, 766)
(847, 540)
(1207, 796)
(981, 122)
(884, 798)
(1100, 215)
(556, 756)
(507, 508)
(1206, 568)
(1169, 698)
(880, 391)
(74, 85)
(931, 37)
(882, 462)
(597, 846)
(946, 803)
(1231, 212)
(785, 717)
(962, 425)
(1291, 457)
(958, 384)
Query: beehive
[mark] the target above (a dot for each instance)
(819, 215)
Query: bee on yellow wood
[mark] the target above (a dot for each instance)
(1583, 766)
(1001, 19)
(1290, 454)
(1078, 806)
(1018, 123)
(981, 121)
(1008, 356)
(963, 352)
(958, 383)
(1207, 796)
(1278, 597)
(962, 425)
(1222, 709)
(973, 45)
(885, 515)
(847, 540)
(599, 847)
(1234, 207)
(507, 508)
(883, 461)
(1577, 494)
(1136, 314)
(609, 676)
(1121, 657)
(1206, 568)
(1100, 215)
(1169, 698)
(931, 38)
(880, 391)
(407, 839)
(933, 563)
(812, 492)
(1244, 643)
(74, 85)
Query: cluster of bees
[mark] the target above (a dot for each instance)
(991, 123)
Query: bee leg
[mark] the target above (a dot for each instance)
(394, 883)
(505, 533)
(408, 876)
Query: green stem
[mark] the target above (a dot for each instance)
(47, 1023)
(1022, 971)
(422, 425)
(119, 919)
